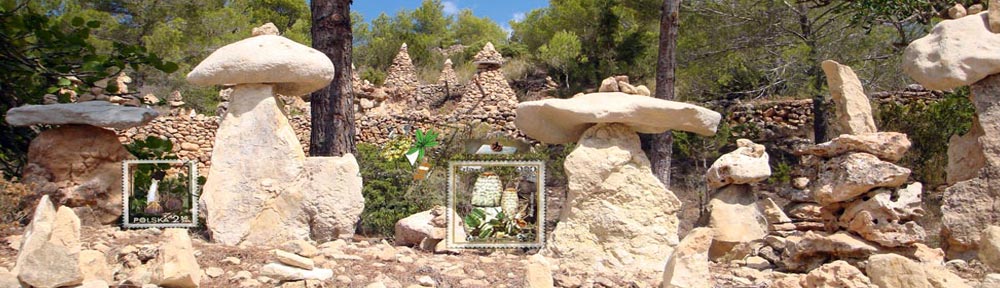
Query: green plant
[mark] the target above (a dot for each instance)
(388, 192)
(781, 173)
(424, 140)
(498, 228)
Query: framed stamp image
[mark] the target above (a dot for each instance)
(496, 204)
(160, 193)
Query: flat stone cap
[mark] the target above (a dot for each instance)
(558, 121)
(293, 68)
(94, 113)
(955, 53)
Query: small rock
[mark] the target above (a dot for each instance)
(344, 279)
(756, 262)
(294, 260)
(288, 273)
(241, 275)
(232, 260)
(473, 283)
(989, 247)
(426, 281)
(300, 247)
(214, 272)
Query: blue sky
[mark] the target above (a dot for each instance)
(500, 11)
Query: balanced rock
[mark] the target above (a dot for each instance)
(175, 264)
(263, 189)
(558, 121)
(888, 146)
(618, 217)
(853, 110)
(295, 69)
(887, 217)
(955, 53)
(81, 166)
(734, 216)
(94, 113)
(745, 165)
(688, 265)
(835, 274)
(845, 177)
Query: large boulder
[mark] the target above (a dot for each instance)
(956, 53)
(263, 189)
(94, 113)
(175, 265)
(746, 165)
(558, 121)
(854, 112)
(969, 206)
(618, 218)
(895, 271)
(888, 146)
(416, 228)
(80, 166)
(846, 177)
(688, 266)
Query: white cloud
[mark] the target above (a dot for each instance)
(506, 28)
(518, 17)
(450, 8)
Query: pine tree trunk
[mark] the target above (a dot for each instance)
(661, 145)
(333, 106)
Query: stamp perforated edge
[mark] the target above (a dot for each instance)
(540, 209)
(192, 184)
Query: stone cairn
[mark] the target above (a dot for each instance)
(499, 99)
(402, 73)
(79, 162)
(957, 53)
(262, 189)
(52, 254)
(732, 207)
(618, 220)
(448, 76)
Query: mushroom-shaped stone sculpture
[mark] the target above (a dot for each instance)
(619, 219)
(261, 188)
(956, 53)
(80, 161)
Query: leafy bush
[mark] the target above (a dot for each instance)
(929, 127)
(390, 191)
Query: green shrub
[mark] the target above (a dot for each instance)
(390, 191)
(929, 127)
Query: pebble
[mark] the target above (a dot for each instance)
(426, 281)
(214, 272)
(473, 283)
(406, 259)
(241, 275)
(232, 260)
(344, 279)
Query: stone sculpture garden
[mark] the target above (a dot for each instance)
(274, 217)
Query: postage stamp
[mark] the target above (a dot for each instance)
(496, 204)
(160, 193)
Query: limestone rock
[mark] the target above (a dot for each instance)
(299, 247)
(413, 229)
(845, 177)
(974, 9)
(955, 53)
(269, 192)
(853, 110)
(50, 265)
(969, 206)
(286, 273)
(94, 113)
(82, 166)
(94, 266)
(734, 216)
(800, 251)
(538, 273)
(175, 264)
(293, 260)
(617, 218)
(957, 11)
(489, 55)
(888, 146)
(887, 217)
(990, 281)
(835, 274)
(894, 271)
(266, 29)
(772, 212)
(965, 155)
(993, 16)
(49, 252)
(557, 121)
(293, 68)
(688, 266)
(609, 85)
(989, 247)
(746, 165)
